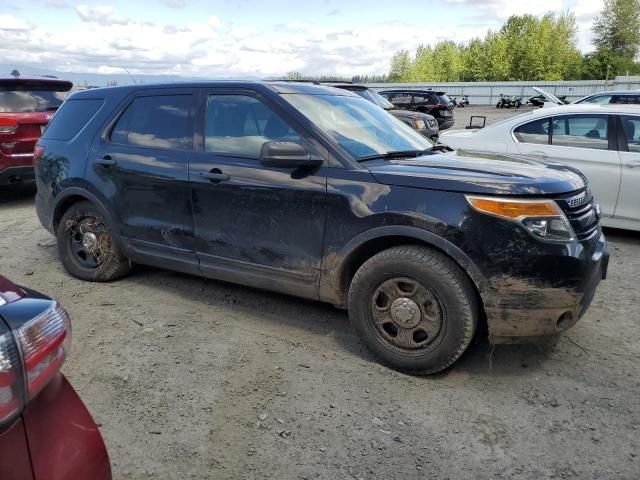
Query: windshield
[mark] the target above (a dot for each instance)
(18, 98)
(358, 126)
(376, 98)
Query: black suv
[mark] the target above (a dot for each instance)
(426, 101)
(316, 192)
(424, 123)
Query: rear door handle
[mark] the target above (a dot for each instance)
(215, 176)
(633, 164)
(106, 161)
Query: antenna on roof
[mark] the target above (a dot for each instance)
(134, 80)
(15, 73)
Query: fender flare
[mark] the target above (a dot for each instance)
(331, 280)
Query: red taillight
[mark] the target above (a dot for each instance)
(44, 342)
(10, 391)
(8, 124)
(38, 152)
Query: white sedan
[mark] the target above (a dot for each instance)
(602, 141)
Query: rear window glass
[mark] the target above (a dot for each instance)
(71, 118)
(443, 98)
(161, 121)
(29, 98)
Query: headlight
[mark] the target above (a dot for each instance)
(541, 218)
(419, 123)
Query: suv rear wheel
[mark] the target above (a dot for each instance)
(414, 308)
(86, 246)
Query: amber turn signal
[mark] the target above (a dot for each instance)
(515, 209)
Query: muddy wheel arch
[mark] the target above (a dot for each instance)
(338, 268)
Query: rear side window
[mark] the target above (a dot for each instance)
(425, 99)
(632, 132)
(72, 118)
(533, 132)
(32, 96)
(400, 99)
(626, 99)
(162, 121)
(581, 131)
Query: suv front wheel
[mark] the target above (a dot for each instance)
(414, 308)
(86, 246)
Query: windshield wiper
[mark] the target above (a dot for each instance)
(394, 154)
(406, 153)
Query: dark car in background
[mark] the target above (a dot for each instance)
(26, 107)
(621, 97)
(432, 102)
(424, 123)
(316, 192)
(46, 432)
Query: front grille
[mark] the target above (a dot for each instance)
(581, 213)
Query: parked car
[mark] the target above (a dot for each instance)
(539, 100)
(602, 141)
(46, 431)
(424, 123)
(26, 106)
(624, 97)
(426, 101)
(316, 192)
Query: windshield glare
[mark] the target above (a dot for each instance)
(375, 98)
(357, 125)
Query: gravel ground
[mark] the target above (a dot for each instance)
(192, 378)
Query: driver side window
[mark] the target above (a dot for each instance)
(238, 125)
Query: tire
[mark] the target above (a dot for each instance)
(448, 311)
(96, 259)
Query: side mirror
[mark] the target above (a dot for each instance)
(286, 155)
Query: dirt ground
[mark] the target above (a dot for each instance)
(192, 378)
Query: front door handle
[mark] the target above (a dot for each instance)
(633, 164)
(215, 176)
(106, 161)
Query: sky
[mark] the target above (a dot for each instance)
(249, 38)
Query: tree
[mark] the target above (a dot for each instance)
(400, 66)
(617, 38)
(294, 76)
(617, 28)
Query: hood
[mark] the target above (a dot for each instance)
(9, 292)
(410, 114)
(549, 97)
(481, 173)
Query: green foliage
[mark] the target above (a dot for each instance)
(617, 38)
(525, 48)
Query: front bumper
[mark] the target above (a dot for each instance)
(550, 302)
(64, 441)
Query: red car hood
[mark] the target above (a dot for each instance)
(9, 292)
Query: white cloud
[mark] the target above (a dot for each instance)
(105, 42)
(101, 14)
(13, 24)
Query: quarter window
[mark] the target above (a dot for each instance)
(162, 121)
(581, 131)
(631, 127)
(533, 132)
(238, 125)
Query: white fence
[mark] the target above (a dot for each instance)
(487, 93)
